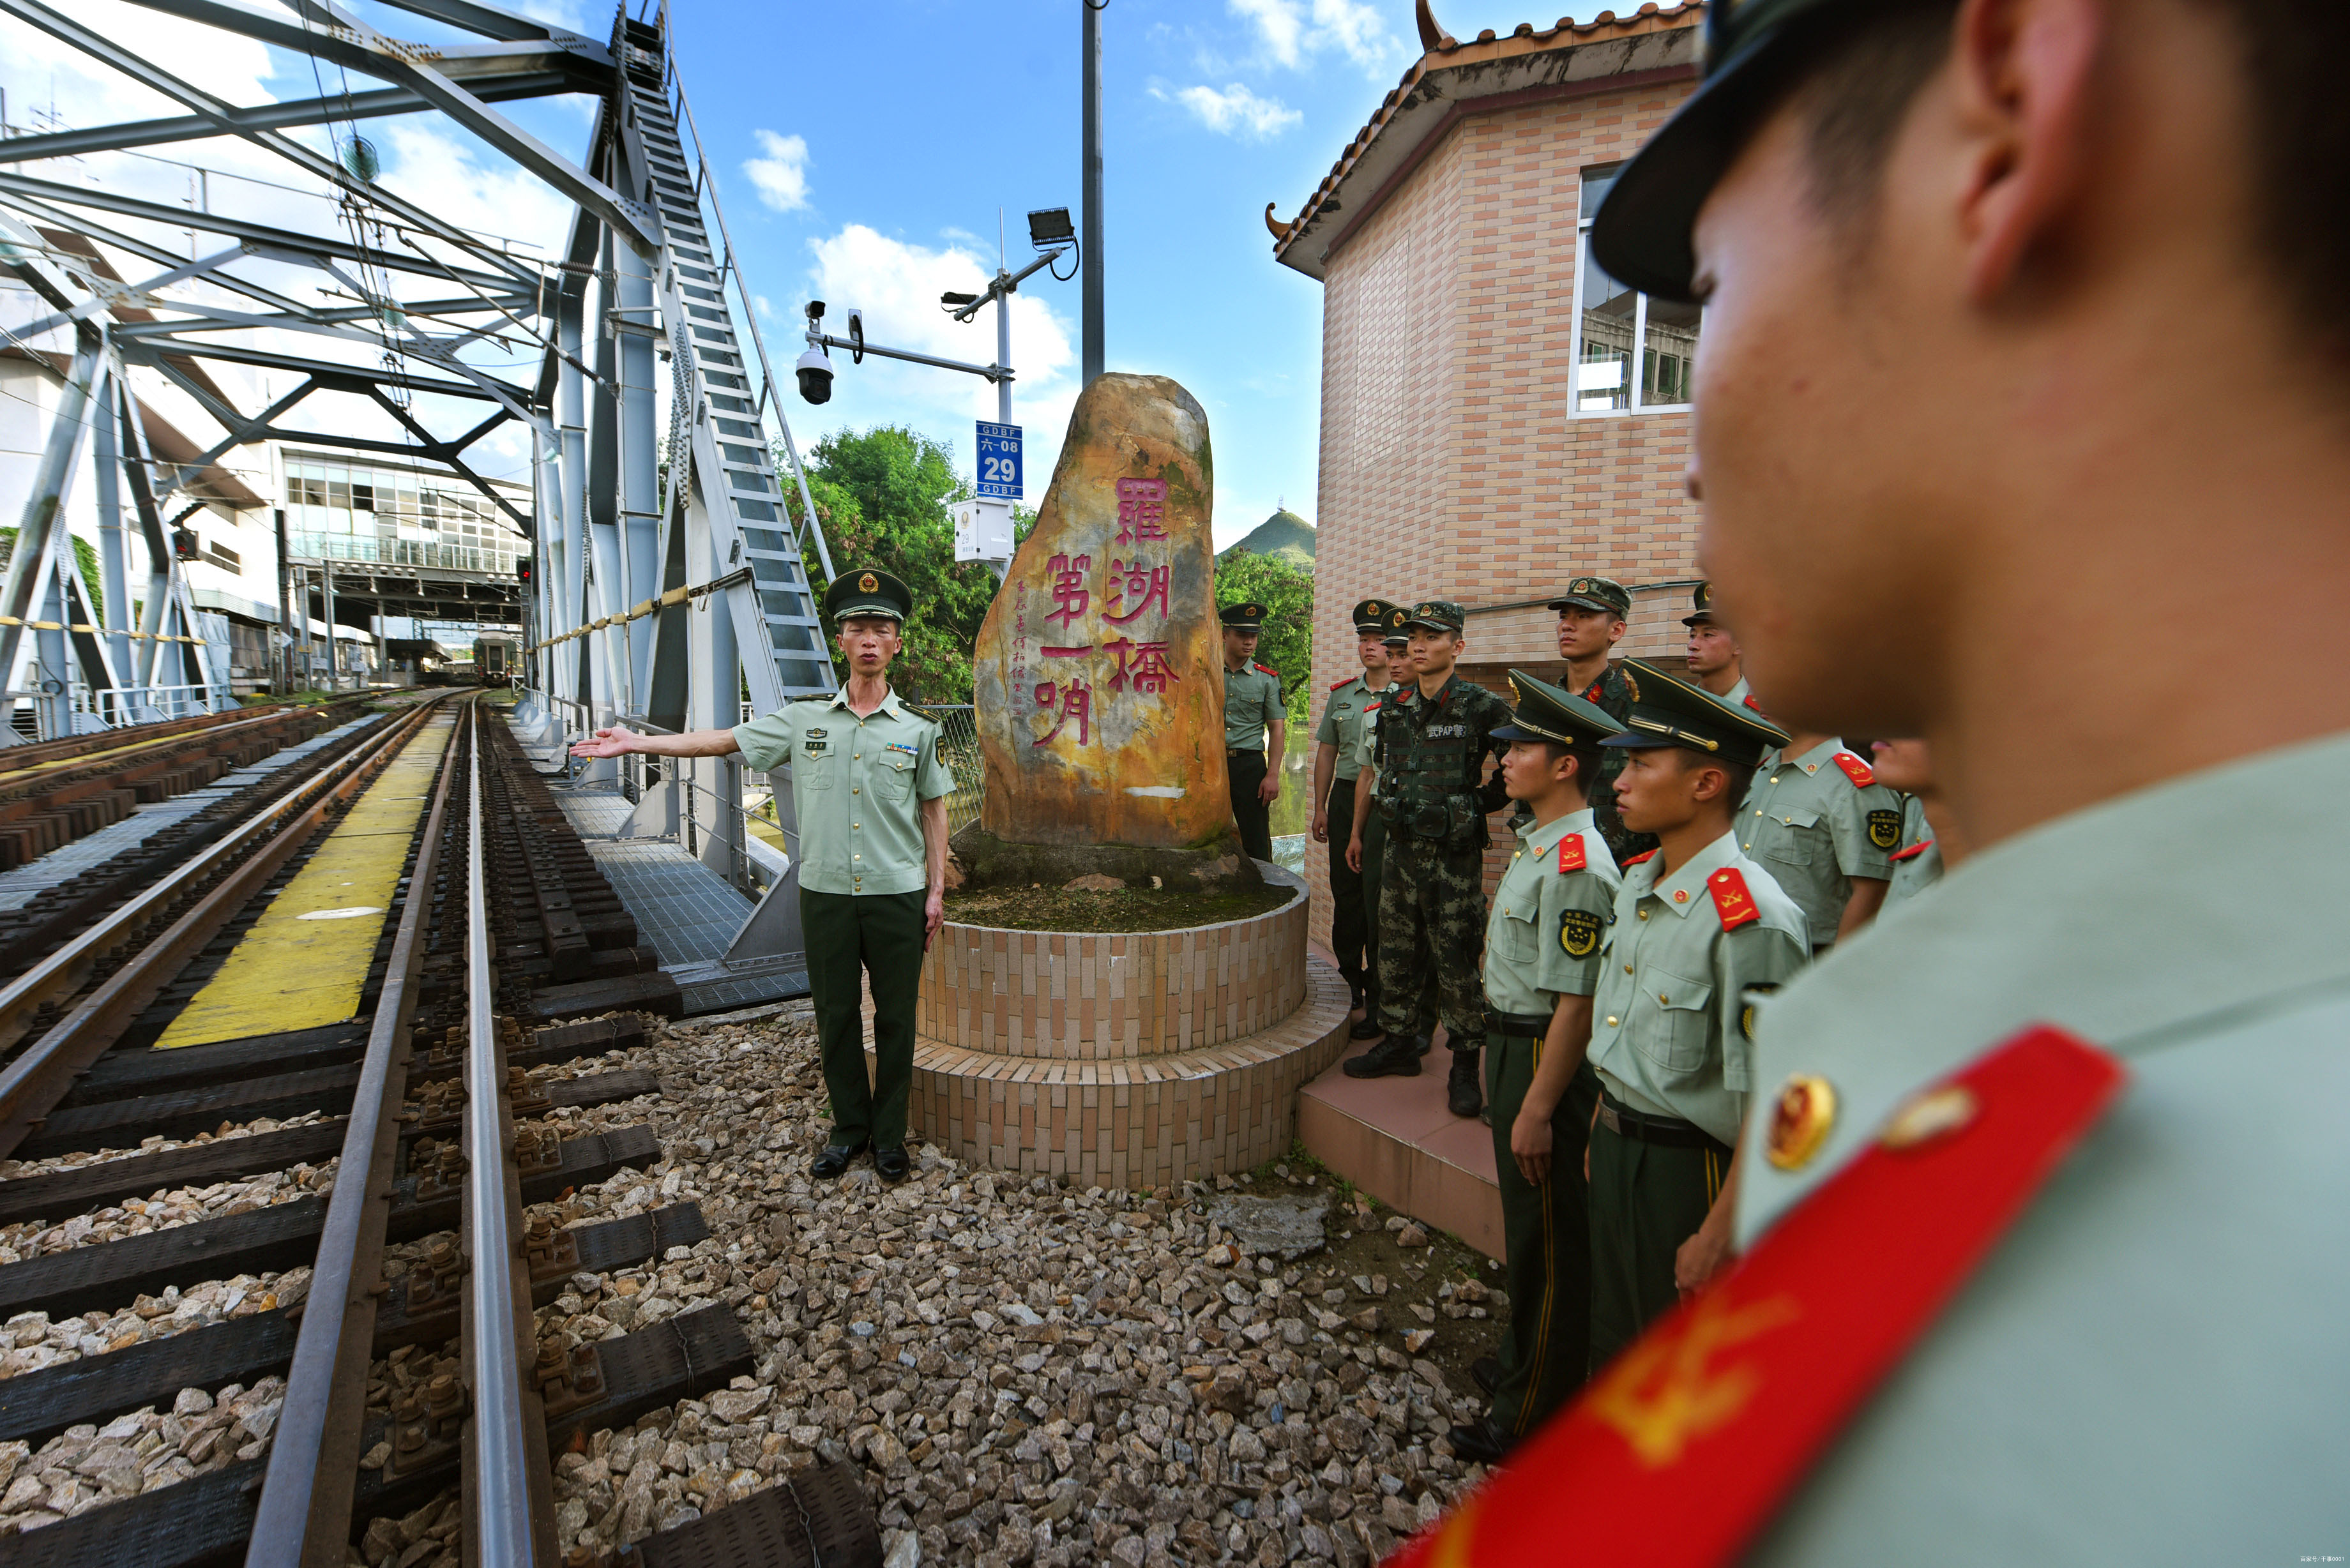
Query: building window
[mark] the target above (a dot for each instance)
(1631, 352)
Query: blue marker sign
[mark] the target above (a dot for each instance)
(999, 461)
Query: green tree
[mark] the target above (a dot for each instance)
(85, 557)
(1286, 592)
(882, 497)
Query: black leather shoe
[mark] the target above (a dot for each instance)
(892, 1164)
(1464, 1088)
(1479, 1442)
(1354, 995)
(1368, 1029)
(834, 1160)
(1392, 1057)
(1486, 1372)
(1427, 1041)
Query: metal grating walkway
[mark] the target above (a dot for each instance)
(686, 912)
(20, 885)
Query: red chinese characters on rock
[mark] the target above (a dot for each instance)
(1141, 510)
(1065, 702)
(1144, 664)
(1137, 587)
(1071, 597)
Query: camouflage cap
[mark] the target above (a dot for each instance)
(1595, 593)
(1641, 235)
(1437, 615)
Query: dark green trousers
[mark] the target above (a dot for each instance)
(849, 937)
(1350, 921)
(1647, 1199)
(1545, 1351)
(1374, 849)
(1244, 771)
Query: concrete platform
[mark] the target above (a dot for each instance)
(1394, 1138)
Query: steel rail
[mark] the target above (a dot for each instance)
(500, 1459)
(30, 755)
(304, 1515)
(42, 1075)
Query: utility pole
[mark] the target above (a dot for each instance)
(1092, 247)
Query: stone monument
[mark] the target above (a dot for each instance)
(1128, 1059)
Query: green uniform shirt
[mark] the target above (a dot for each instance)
(1814, 830)
(1547, 926)
(1917, 864)
(1738, 693)
(2149, 1366)
(855, 784)
(1671, 1032)
(1342, 721)
(1252, 700)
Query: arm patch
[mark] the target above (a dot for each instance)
(1884, 828)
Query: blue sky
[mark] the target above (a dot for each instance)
(863, 150)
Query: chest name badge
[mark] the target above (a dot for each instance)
(1578, 933)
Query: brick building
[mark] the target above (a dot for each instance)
(1498, 415)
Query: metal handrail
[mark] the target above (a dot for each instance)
(504, 1534)
(305, 1508)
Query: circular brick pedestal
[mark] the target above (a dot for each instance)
(1130, 1059)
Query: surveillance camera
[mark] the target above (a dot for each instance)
(815, 377)
(815, 310)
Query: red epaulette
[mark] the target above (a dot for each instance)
(1638, 858)
(1732, 901)
(1345, 680)
(1373, 704)
(1680, 1451)
(1749, 701)
(1268, 670)
(1570, 854)
(1914, 851)
(1859, 773)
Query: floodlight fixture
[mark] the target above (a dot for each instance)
(1049, 228)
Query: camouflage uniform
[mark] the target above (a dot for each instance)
(1612, 694)
(1434, 796)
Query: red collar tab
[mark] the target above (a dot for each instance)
(1858, 772)
(1570, 854)
(1749, 701)
(1914, 851)
(1646, 854)
(1682, 1450)
(1732, 901)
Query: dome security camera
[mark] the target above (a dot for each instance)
(815, 369)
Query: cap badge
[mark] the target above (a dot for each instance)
(869, 583)
(1580, 585)
(1397, 619)
(1800, 1120)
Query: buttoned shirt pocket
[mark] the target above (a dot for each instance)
(811, 769)
(1517, 934)
(893, 778)
(1795, 847)
(1675, 1019)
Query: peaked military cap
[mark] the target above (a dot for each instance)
(1371, 617)
(1244, 616)
(1641, 233)
(1595, 593)
(1544, 712)
(1701, 606)
(1437, 615)
(868, 590)
(1668, 711)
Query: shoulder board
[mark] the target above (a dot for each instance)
(1372, 706)
(1570, 854)
(926, 718)
(1749, 701)
(1268, 670)
(824, 697)
(1638, 858)
(1732, 901)
(1859, 773)
(1682, 1450)
(1335, 685)
(1914, 851)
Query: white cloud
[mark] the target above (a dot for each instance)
(1235, 111)
(781, 176)
(1290, 32)
(897, 284)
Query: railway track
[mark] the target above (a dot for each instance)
(283, 1129)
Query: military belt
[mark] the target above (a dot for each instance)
(1515, 1025)
(1665, 1132)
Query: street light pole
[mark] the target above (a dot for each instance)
(1091, 259)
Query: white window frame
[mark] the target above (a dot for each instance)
(1635, 365)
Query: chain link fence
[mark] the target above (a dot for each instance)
(959, 749)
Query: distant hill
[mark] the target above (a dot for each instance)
(1284, 534)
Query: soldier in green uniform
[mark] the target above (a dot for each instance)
(1435, 796)
(1338, 745)
(1698, 926)
(871, 792)
(1256, 725)
(1826, 829)
(1591, 621)
(1930, 841)
(1542, 963)
(1366, 844)
(1715, 661)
